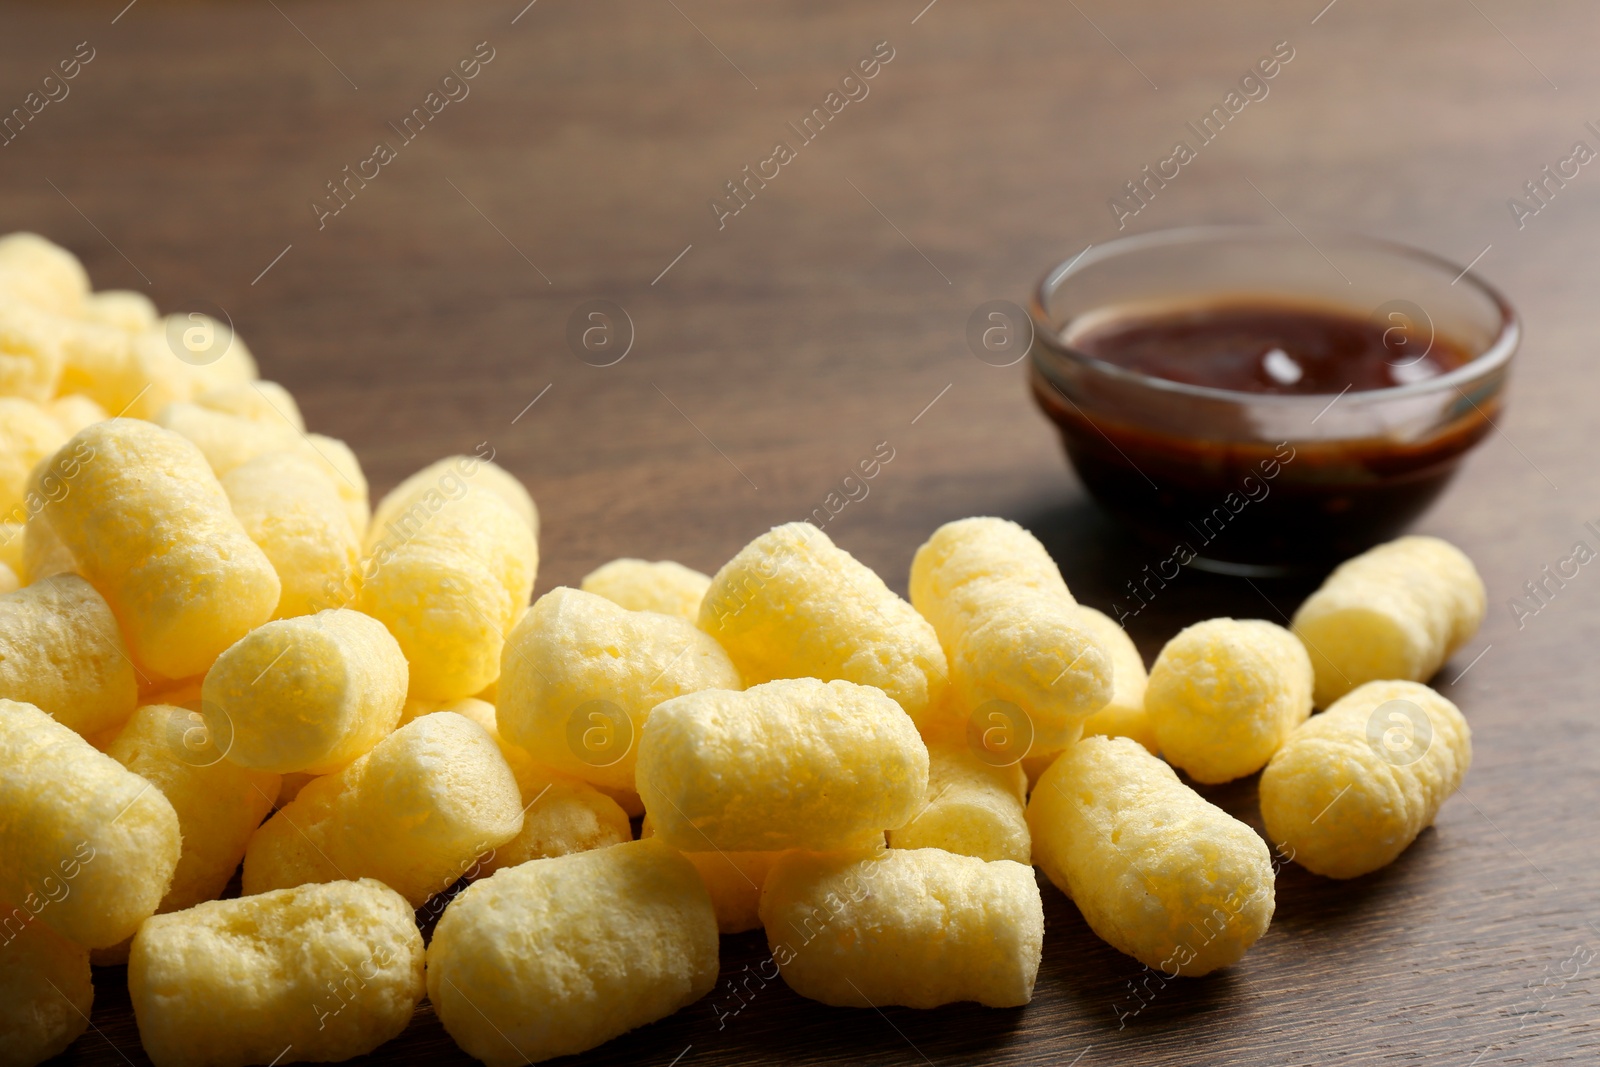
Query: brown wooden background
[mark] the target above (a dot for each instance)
(777, 352)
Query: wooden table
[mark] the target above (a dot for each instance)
(769, 355)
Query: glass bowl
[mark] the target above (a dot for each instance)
(1258, 483)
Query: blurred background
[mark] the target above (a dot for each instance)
(410, 210)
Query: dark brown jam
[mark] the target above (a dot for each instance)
(1252, 505)
(1274, 348)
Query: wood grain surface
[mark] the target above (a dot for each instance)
(769, 355)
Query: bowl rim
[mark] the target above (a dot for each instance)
(1495, 356)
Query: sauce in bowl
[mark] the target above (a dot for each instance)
(1269, 347)
(1283, 502)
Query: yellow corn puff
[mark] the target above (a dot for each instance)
(972, 807)
(43, 272)
(306, 694)
(344, 473)
(579, 676)
(97, 364)
(31, 350)
(408, 505)
(1125, 715)
(293, 513)
(219, 803)
(266, 402)
(61, 651)
(1354, 786)
(1009, 627)
(150, 528)
(43, 554)
(1225, 693)
(415, 813)
(1397, 611)
(793, 605)
(126, 309)
(789, 764)
(666, 587)
(46, 991)
(564, 815)
(91, 841)
(74, 412)
(451, 592)
(225, 439)
(28, 433)
(1157, 871)
(560, 814)
(183, 356)
(558, 956)
(918, 927)
(734, 880)
(320, 973)
(228, 440)
(958, 564)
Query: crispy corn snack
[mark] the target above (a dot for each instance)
(638, 585)
(972, 807)
(1397, 611)
(791, 604)
(291, 510)
(43, 272)
(229, 440)
(1125, 715)
(266, 402)
(46, 991)
(181, 357)
(560, 814)
(789, 764)
(28, 434)
(126, 309)
(61, 651)
(151, 529)
(320, 973)
(1009, 627)
(452, 590)
(1162, 875)
(219, 804)
(1354, 786)
(415, 813)
(306, 694)
(94, 842)
(557, 956)
(580, 675)
(1225, 693)
(32, 348)
(408, 504)
(919, 927)
(74, 413)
